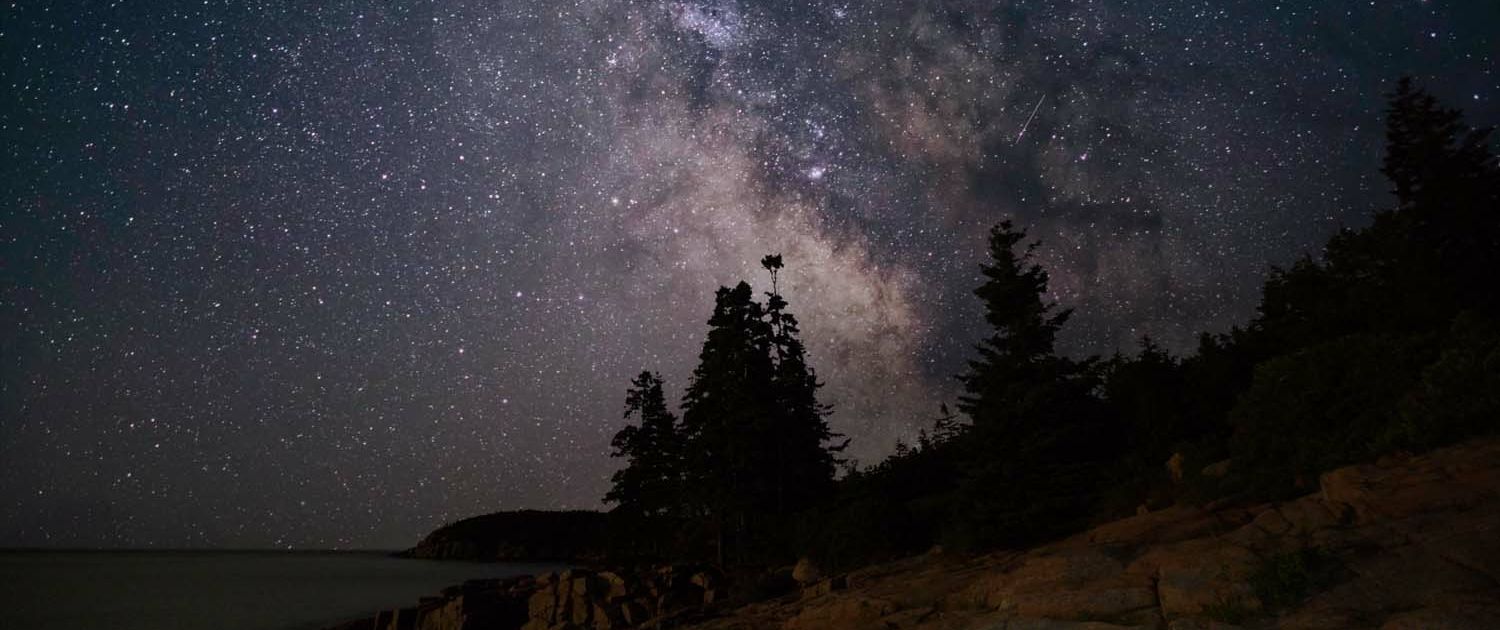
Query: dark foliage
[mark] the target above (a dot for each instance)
(898, 507)
(1388, 341)
(650, 484)
(522, 536)
(753, 447)
(1034, 455)
(649, 491)
(1322, 407)
(1380, 345)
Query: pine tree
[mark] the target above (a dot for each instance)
(757, 436)
(1033, 462)
(1447, 185)
(1145, 393)
(1019, 350)
(650, 483)
(1431, 156)
(803, 459)
(725, 412)
(1419, 263)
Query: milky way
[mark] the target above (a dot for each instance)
(330, 274)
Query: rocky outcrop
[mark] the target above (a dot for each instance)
(575, 599)
(580, 599)
(475, 605)
(1407, 542)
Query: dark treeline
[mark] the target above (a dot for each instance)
(751, 451)
(1390, 341)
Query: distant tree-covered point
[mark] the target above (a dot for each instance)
(519, 536)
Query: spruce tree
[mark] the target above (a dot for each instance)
(650, 483)
(1033, 462)
(725, 412)
(1019, 350)
(757, 439)
(1447, 184)
(803, 460)
(1420, 262)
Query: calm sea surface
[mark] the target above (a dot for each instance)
(217, 590)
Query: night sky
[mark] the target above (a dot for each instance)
(328, 274)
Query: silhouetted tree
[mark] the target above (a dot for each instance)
(726, 406)
(650, 483)
(1418, 264)
(1447, 185)
(1037, 430)
(803, 458)
(1145, 393)
(757, 438)
(1339, 342)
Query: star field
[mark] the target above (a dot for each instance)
(330, 274)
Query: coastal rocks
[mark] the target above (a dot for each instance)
(575, 599)
(851, 613)
(1405, 543)
(580, 599)
(475, 605)
(1396, 488)
(1409, 542)
(806, 572)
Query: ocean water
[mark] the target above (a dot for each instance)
(240, 590)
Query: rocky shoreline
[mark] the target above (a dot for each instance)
(1405, 543)
(658, 597)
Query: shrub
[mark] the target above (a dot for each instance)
(1322, 407)
(1285, 579)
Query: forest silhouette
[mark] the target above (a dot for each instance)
(1387, 342)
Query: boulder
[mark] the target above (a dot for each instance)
(836, 583)
(1174, 467)
(1217, 469)
(636, 612)
(614, 586)
(1199, 575)
(543, 604)
(843, 613)
(806, 572)
(1444, 480)
(399, 619)
(1103, 603)
(1459, 617)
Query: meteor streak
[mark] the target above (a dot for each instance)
(1028, 118)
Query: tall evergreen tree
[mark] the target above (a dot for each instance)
(1446, 180)
(1432, 158)
(1037, 430)
(803, 458)
(757, 437)
(725, 410)
(1019, 351)
(650, 483)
